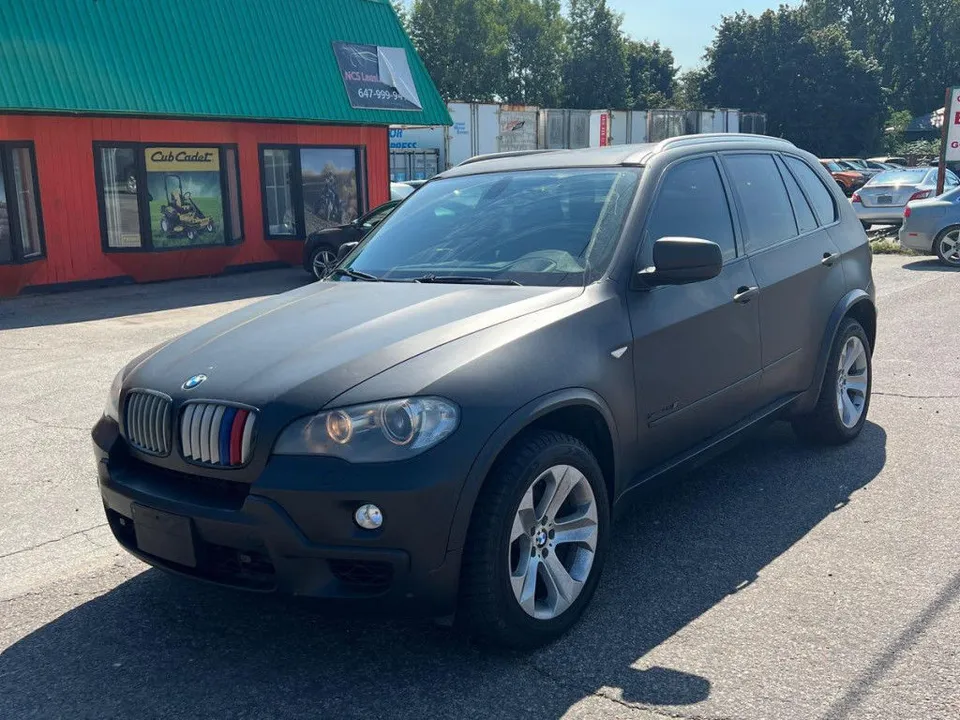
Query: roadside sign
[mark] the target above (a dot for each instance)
(950, 148)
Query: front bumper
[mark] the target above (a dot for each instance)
(291, 530)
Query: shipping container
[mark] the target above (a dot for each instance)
(663, 124)
(564, 128)
(628, 127)
(474, 131)
(417, 153)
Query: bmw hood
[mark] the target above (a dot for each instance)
(306, 347)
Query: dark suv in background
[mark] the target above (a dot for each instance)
(450, 418)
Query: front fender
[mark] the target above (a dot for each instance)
(849, 303)
(509, 429)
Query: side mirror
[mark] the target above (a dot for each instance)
(680, 260)
(345, 250)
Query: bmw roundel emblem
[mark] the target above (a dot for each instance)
(193, 382)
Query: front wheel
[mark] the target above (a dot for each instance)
(947, 246)
(536, 543)
(841, 410)
(322, 261)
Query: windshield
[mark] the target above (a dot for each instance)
(543, 227)
(833, 167)
(900, 177)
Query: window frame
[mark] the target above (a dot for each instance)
(13, 208)
(296, 189)
(143, 208)
(732, 208)
(833, 199)
(784, 174)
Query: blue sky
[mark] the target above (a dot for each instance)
(684, 26)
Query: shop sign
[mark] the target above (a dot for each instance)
(181, 159)
(377, 78)
(953, 127)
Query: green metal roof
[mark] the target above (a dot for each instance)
(243, 59)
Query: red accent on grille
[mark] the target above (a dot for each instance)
(236, 437)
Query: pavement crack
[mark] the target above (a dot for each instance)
(55, 540)
(918, 397)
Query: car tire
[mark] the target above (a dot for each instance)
(841, 410)
(952, 258)
(323, 256)
(512, 593)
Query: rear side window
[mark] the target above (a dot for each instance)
(820, 197)
(801, 208)
(763, 197)
(693, 203)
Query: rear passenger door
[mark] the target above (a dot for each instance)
(786, 213)
(696, 350)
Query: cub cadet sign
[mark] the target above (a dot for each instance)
(180, 159)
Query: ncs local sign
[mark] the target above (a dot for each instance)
(181, 159)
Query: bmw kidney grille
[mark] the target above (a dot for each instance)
(215, 434)
(147, 421)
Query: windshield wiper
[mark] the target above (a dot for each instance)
(357, 275)
(463, 280)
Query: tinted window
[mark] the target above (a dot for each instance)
(801, 208)
(692, 203)
(763, 197)
(819, 196)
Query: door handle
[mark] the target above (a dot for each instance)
(745, 294)
(830, 259)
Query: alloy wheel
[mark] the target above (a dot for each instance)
(950, 247)
(553, 542)
(852, 382)
(323, 261)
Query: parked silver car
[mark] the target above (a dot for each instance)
(933, 226)
(883, 199)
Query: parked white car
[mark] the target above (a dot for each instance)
(883, 199)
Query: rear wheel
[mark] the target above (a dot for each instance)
(947, 246)
(536, 543)
(841, 409)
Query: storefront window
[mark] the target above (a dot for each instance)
(186, 198)
(309, 187)
(21, 226)
(121, 206)
(329, 177)
(277, 185)
(160, 197)
(6, 247)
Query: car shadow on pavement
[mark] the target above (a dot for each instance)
(159, 646)
(930, 265)
(120, 301)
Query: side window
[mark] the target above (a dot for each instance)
(820, 197)
(377, 216)
(692, 203)
(951, 179)
(763, 199)
(801, 207)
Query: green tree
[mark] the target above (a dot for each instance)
(916, 43)
(814, 87)
(536, 51)
(652, 74)
(463, 45)
(595, 74)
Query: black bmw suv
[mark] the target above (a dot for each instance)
(448, 421)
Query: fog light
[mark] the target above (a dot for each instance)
(368, 517)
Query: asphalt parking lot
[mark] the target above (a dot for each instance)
(778, 582)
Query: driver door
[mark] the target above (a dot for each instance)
(696, 347)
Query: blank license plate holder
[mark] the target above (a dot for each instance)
(885, 199)
(164, 535)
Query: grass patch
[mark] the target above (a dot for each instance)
(889, 246)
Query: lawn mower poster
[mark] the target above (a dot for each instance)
(186, 204)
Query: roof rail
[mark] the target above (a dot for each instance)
(715, 137)
(497, 156)
(699, 138)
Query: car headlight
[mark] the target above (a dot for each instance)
(112, 408)
(377, 432)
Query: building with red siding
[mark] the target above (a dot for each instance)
(134, 149)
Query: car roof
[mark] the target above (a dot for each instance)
(612, 156)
